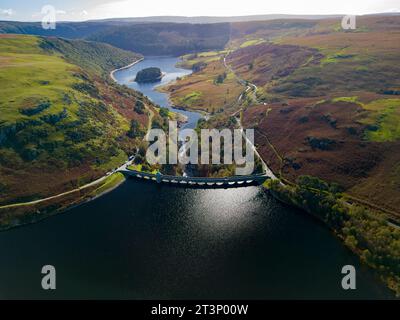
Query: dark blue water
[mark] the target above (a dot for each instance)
(149, 241)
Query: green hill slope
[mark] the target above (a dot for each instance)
(98, 58)
(62, 123)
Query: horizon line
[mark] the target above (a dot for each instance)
(328, 15)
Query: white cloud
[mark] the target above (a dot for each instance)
(99, 9)
(6, 12)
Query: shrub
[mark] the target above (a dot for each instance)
(139, 107)
(164, 112)
(135, 129)
(37, 109)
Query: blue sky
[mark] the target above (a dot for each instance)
(77, 10)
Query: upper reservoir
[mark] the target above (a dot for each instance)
(171, 73)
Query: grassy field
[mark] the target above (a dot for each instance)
(61, 123)
(252, 42)
(384, 122)
(24, 80)
(140, 167)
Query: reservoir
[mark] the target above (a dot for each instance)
(171, 72)
(150, 241)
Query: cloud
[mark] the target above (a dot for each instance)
(83, 13)
(6, 12)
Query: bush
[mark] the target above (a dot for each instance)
(87, 87)
(321, 143)
(164, 112)
(54, 118)
(220, 78)
(37, 109)
(29, 153)
(135, 129)
(139, 107)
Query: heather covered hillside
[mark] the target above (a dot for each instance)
(332, 108)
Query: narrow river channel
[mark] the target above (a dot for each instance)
(149, 241)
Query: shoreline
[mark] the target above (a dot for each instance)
(124, 67)
(281, 195)
(39, 217)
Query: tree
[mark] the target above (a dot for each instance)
(135, 130)
(139, 107)
(164, 112)
(220, 78)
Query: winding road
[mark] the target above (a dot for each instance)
(249, 86)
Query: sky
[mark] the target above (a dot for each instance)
(79, 10)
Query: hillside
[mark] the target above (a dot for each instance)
(326, 100)
(62, 122)
(165, 38)
(335, 114)
(80, 30)
(174, 35)
(97, 58)
(71, 30)
(146, 38)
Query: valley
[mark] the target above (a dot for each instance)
(323, 103)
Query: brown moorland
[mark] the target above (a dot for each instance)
(326, 140)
